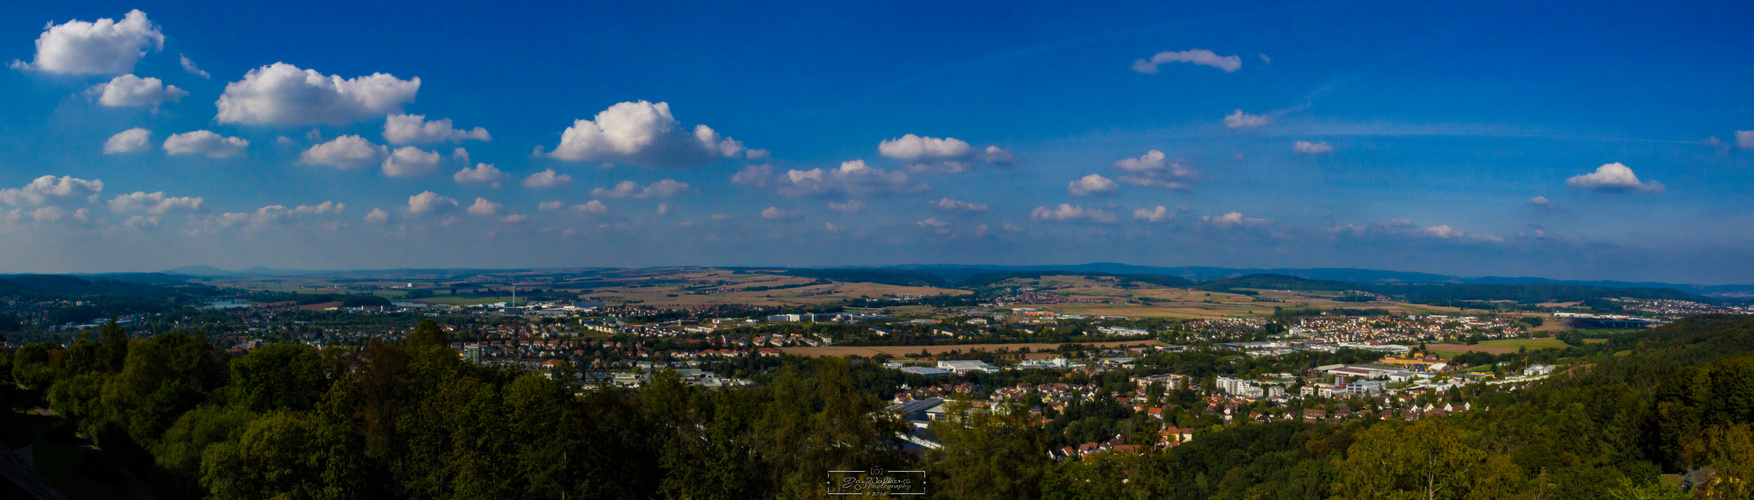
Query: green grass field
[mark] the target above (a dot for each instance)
(1529, 343)
(1532, 344)
(1605, 331)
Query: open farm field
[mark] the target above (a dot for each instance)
(1529, 343)
(1503, 346)
(464, 301)
(666, 287)
(1196, 304)
(1461, 348)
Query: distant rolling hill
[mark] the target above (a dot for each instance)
(1535, 293)
(1276, 282)
(989, 279)
(898, 277)
(126, 286)
(49, 283)
(1360, 276)
(1413, 286)
(1441, 291)
(214, 272)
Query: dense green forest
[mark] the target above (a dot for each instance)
(1275, 282)
(50, 287)
(411, 420)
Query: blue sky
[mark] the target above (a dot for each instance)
(1587, 141)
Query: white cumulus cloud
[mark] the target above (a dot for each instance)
(483, 173)
(754, 176)
(189, 66)
(1405, 228)
(1240, 119)
(630, 189)
(1745, 139)
(410, 161)
(592, 207)
(778, 213)
(1092, 184)
(205, 143)
(915, 148)
(141, 221)
(377, 216)
(1445, 232)
(948, 155)
(483, 207)
(283, 94)
(52, 214)
(1151, 160)
(102, 47)
(133, 140)
(324, 208)
(414, 129)
(1613, 177)
(1155, 170)
(133, 91)
(1232, 219)
(547, 178)
(645, 134)
(1201, 57)
(232, 219)
(153, 203)
(1067, 211)
(998, 156)
(851, 206)
(1307, 147)
(852, 178)
(430, 203)
(49, 189)
(959, 206)
(345, 152)
(1159, 214)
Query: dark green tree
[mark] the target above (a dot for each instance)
(280, 377)
(426, 334)
(114, 349)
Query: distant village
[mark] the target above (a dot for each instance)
(624, 345)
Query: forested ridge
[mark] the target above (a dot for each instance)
(411, 420)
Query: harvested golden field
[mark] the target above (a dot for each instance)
(1157, 311)
(1194, 304)
(695, 287)
(662, 287)
(812, 294)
